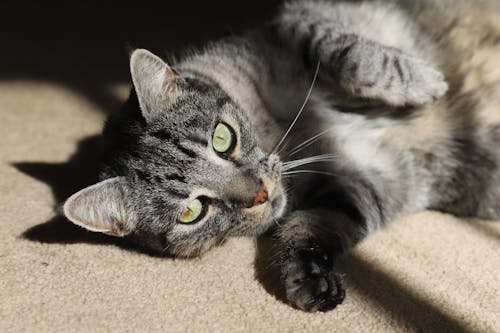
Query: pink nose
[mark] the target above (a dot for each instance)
(261, 196)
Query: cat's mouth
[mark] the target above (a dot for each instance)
(269, 202)
(277, 197)
(278, 204)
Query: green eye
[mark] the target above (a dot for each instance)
(192, 212)
(222, 140)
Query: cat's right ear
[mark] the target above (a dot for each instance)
(102, 208)
(156, 84)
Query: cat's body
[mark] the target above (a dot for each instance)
(398, 145)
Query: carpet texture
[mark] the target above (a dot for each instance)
(62, 69)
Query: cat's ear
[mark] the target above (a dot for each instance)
(102, 208)
(156, 84)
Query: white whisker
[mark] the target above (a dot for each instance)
(323, 156)
(290, 173)
(307, 142)
(300, 110)
(313, 159)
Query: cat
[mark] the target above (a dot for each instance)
(394, 108)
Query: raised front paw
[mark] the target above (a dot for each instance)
(310, 282)
(414, 82)
(371, 70)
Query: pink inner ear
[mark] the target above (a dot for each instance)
(171, 73)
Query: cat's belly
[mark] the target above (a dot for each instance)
(418, 162)
(380, 151)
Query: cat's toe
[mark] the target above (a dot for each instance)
(310, 282)
(429, 86)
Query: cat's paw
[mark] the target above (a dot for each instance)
(367, 69)
(425, 83)
(310, 282)
(410, 81)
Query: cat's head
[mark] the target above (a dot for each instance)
(186, 170)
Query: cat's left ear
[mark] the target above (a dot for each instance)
(102, 207)
(156, 84)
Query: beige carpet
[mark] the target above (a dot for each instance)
(428, 272)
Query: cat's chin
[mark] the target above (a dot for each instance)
(275, 210)
(278, 204)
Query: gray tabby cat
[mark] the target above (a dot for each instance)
(193, 156)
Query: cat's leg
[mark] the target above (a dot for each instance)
(358, 66)
(307, 246)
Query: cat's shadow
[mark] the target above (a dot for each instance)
(66, 178)
(376, 287)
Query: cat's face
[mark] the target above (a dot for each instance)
(186, 176)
